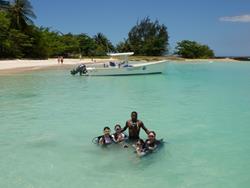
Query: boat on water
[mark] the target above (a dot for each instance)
(122, 68)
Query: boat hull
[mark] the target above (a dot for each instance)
(136, 69)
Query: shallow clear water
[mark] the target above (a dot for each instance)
(48, 119)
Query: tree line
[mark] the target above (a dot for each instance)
(21, 38)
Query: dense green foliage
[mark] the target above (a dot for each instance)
(21, 14)
(146, 38)
(103, 44)
(192, 49)
(20, 38)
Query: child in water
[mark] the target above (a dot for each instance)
(106, 138)
(140, 147)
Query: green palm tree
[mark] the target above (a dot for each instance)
(21, 13)
(103, 42)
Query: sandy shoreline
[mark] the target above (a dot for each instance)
(212, 60)
(15, 66)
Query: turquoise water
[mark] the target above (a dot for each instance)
(48, 119)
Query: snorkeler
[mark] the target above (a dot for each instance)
(151, 143)
(140, 149)
(118, 136)
(134, 125)
(106, 138)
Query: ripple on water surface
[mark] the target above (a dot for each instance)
(48, 119)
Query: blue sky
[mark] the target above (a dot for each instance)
(224, 25)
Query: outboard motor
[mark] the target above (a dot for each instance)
(82, 69)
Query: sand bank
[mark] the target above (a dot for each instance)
(13, 66)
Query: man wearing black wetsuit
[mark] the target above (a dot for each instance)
(134, 125)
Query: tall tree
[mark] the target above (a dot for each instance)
(53, 40)
(4, 27)
(21, 12)
(87, 45)
(39, 45)
(123, 46)
(148, 38)
(70, 44)
(103, 44)
(19, 44)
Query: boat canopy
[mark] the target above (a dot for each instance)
(124, 55)
(121, 54)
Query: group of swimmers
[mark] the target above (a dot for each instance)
(133, 125)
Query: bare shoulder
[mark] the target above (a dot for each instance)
(127, 123)
(140, 122)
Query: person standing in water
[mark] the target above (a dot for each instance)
(134, 126)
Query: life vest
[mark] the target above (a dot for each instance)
(155, 143)
(103, 139)
(115, 136)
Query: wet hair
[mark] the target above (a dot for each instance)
(134, 112)
(106, 128)
(117, 125)
(152, 133)
(140, 141)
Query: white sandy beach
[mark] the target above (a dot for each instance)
(17, 65)
(11, 66)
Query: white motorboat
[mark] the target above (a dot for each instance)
(123, 68)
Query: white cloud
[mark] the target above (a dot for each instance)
(241, 18)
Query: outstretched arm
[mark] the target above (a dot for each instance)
(124, 128)
(143, 127)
